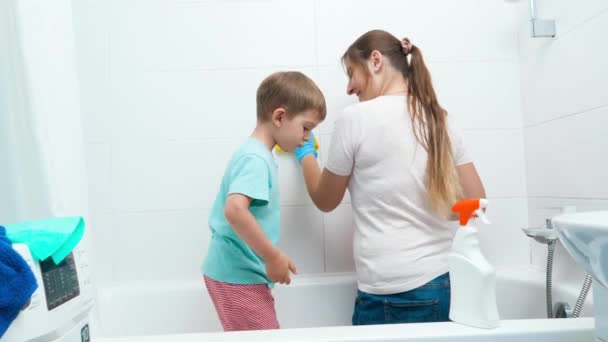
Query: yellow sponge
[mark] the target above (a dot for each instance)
(278, 149)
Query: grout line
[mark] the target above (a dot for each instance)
(230, 69)
(316, 33)
(582, 23)
(570, 198)
(122, 212)
(565, 116)
(305, 66)
(323, 215)
(181, 210)
(118, 211)
(491, 129)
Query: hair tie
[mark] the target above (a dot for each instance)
(406, 46)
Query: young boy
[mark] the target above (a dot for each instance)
(243, 261)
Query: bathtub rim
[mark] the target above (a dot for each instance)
(442, 331)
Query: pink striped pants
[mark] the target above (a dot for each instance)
(243, 306)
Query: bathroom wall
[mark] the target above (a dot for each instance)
(564, 83)
(168, 92)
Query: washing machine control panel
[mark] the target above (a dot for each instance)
(60, 282)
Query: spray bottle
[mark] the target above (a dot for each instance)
(472, 277)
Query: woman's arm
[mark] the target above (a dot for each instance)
(325, 188)
(470, 181)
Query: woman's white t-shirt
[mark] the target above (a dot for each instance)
(399, 244)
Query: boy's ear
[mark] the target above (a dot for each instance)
(278, 115)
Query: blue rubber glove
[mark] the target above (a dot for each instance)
(306, 149)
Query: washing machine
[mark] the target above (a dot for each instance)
(60, 309)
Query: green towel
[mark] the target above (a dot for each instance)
(53, 237)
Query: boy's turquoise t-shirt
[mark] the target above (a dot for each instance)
(252, 171)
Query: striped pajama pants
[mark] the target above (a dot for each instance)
(243, 306)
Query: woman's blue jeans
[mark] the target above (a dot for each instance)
(427, 303)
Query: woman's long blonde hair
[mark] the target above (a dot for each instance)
(429, 119)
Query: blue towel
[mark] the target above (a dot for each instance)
(52, 237)
(17, 282)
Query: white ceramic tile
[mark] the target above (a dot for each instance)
(194, 104)
(333, 81)
(567, 157)
(169, 175)
(302, 237)
(160, 245)
(491, 35)
(104, 238)
(98, 159)
(213, 34)
(499, 159)
(503, 242)
(480, 95)
(339, 230)
(558, 80)
(291, 181)
(569, 16)
(91, 35)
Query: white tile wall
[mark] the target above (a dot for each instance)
(103, 242)
(92, 55)
(193, 104)
(99, 162)
(291, 181)
(498, 157)
(479, 95)
(153, 175)
(566, 75)
(503, 242)
(564, 96)
(302, 237)
(159, 245)
(213, 34)
(456, 31)
(568, 158)
(332, 82)
(169, 89)
(573, 16)
(339, 230)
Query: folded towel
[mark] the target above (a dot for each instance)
(17, 282)
(54, 237)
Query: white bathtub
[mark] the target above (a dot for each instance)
(156, 310)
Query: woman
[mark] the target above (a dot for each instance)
(404, 166)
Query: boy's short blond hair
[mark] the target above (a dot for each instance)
(292, 91)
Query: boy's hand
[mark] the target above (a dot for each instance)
(278, 267)
(306, 149)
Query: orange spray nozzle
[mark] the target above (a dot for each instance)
(466, 209)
